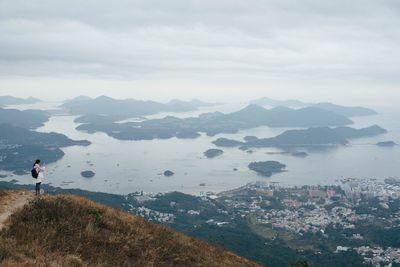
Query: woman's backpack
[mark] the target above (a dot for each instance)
(34, 173)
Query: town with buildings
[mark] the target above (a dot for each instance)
(344, 216)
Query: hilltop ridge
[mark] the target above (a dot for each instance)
(68, 230)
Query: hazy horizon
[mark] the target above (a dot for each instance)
(371, 99)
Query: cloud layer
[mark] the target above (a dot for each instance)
(235, 41)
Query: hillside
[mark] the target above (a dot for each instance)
(73, 231)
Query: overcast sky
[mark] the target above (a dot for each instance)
(345, 51)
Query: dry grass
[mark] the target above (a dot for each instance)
(72, 231)
(7, 196)
(3, 197)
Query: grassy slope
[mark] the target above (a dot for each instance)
(73, 231)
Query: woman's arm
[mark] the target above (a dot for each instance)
(41, 169)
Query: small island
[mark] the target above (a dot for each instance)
(267, 168)
(168, 173)
(87, 174)
(212, 153)
(386, 144)
(300, 154)
(225, 142)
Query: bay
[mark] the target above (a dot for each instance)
(130, 166)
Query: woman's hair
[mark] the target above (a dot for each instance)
(36, 162)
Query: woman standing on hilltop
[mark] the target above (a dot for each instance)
(40, 175)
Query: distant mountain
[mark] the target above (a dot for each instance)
(126, 108)
(214, 123)
(189, 104)
(341, 110)
(77, 232)
(11, 100)
(266, 101)
(27, 118)
(346, 111)
(320, 136)
(79, 99)
(20, 147)
(104, 105)
(285, 117)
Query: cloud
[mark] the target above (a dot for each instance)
(216, 40)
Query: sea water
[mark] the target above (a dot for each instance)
(130, 166)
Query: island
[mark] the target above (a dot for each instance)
(312, 137)
(300, 154)
(225, 142)
(267, 168)
(350, 133)
(20, 147)
(212, 123)
(386, 144)
(212, 153)
(127, 108)
(168, 173)
(30, 119)
(87, 174)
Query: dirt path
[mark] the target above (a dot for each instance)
(11, 202)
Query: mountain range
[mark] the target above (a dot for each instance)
(348, 111)
(11, 100)
(213, 123)
(126, 108)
